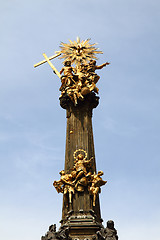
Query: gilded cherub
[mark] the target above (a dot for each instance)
(96, 183)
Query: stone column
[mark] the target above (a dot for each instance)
(80, 215)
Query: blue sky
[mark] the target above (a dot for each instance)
(126, 123)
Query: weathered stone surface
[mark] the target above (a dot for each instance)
(80, 136)
(63, 233)
(108, 233)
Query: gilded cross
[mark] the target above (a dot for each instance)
(49, 62)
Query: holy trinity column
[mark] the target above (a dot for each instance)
(79, 182)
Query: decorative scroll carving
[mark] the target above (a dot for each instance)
(108, 233)
(79, 178)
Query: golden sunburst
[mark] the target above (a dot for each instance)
(78, 51)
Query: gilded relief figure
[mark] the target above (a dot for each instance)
(82, 182)
(79, 178)
(91, 67)
(74, 93)
(65, 185)
(80, 72)
(70, 84)
(82, 167)
(91, 77)
(67, 77)
(96, 183)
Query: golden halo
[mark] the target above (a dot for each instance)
(80, 150)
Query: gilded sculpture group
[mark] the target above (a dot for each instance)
(76, 82)
(79, 81)
(79, 179)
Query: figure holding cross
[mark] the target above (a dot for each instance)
(75, 80)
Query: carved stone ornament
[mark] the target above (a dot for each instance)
(79, 178)
(108, 233)
(51, 234)
(78, 77)
(62, 233)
